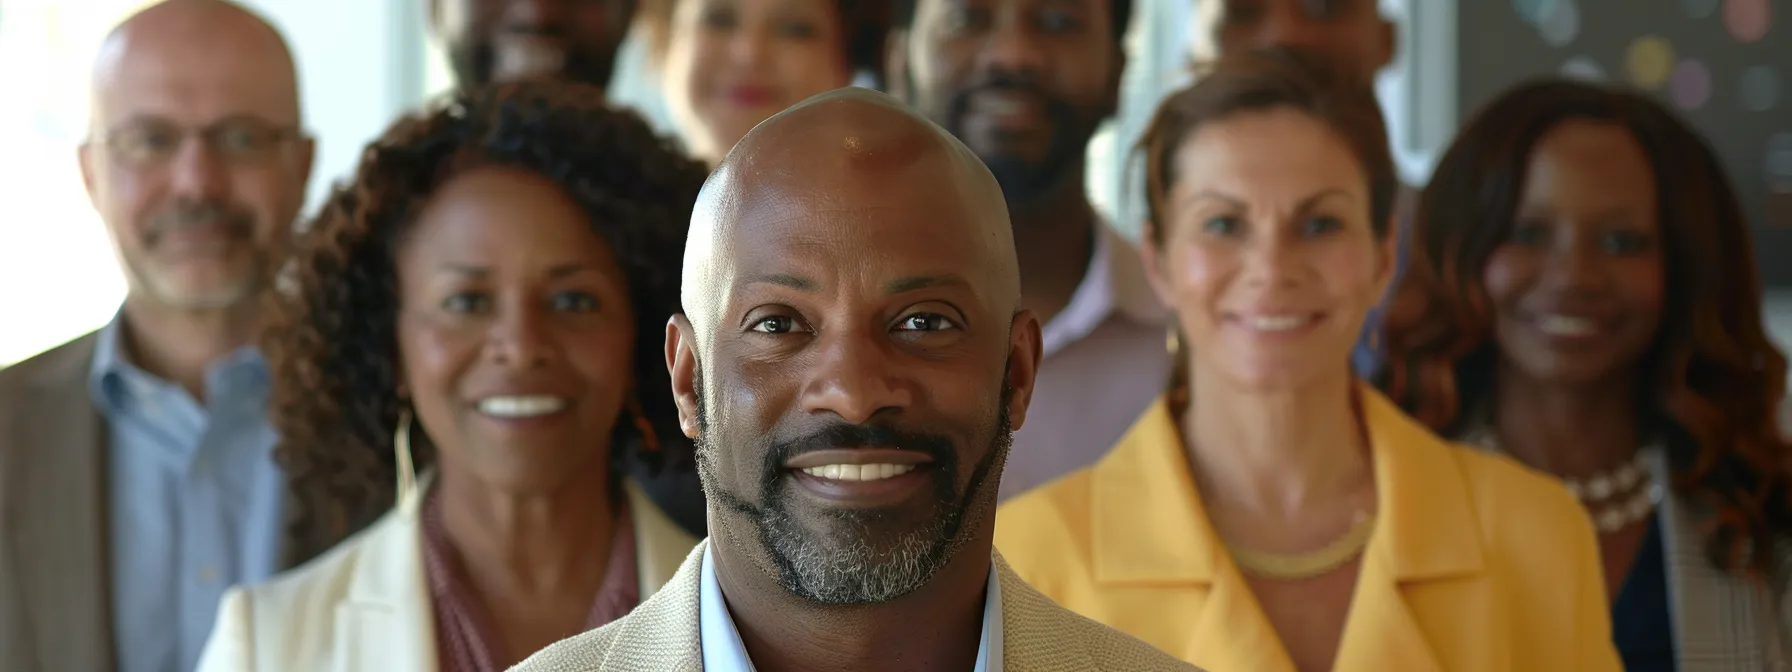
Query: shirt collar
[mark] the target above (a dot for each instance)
(723, 650)
(114, 380)
(1114, 283)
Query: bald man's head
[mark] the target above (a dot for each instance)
(195, 136)
(852, 307)
(838, 157)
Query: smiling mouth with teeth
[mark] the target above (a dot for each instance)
(1566, 325)
(521, 406)
(859, 472)
(1276, 322)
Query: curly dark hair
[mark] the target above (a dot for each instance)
(332, 339)
(1714, 378)
(864, 27)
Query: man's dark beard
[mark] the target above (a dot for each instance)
(1023, 180)
(858, 573)
(474, 61)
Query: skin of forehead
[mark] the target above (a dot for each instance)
(185, 29)
(827, 150)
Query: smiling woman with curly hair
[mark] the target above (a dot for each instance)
(471, 333)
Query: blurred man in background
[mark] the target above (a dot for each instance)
(135, 469)
(1025, 84)
(498, 40)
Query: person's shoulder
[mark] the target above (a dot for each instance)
(67, 363)
(584, 652)
(1037, 529)
(1517, 504)
(312, 590)
(1039, 634)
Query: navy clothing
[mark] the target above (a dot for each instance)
(1642, 623)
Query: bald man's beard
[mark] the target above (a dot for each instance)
(842, 570)
(161, 271)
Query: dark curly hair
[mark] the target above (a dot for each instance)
(864, 27)
(1713, 376)
(332, 341)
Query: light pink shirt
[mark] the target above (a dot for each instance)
(1105, 361)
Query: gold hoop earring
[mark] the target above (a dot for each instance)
(401, 455)
(650, 440)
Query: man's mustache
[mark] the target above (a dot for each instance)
(184, 215)
(845, 435)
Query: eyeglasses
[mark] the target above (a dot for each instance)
(240, 141)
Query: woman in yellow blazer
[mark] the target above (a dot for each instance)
(1271, 513)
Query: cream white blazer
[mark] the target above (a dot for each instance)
(365, 605)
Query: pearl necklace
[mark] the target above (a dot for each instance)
(1629, 484)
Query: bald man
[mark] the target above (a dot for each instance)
(852, 361)
(136, 482)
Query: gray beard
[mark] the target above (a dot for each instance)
(842, 570)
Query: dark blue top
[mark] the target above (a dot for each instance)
(1642, 623)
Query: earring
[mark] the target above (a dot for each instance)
(650, 440)
(1173, 342)
(401, 455)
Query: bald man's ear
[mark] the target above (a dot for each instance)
(305, 159)
(896, 64)
(1025, 348)
(85, 156)
(681, 363)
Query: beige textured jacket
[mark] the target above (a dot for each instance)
(661, 635)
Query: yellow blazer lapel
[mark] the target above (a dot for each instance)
(1422, 576)
(1150, 532)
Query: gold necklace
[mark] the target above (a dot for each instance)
(1298, 566)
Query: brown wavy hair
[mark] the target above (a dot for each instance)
(1261, 80)
(864, 29)
(1713, 377)
(332, 341)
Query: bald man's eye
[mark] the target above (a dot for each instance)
(926, 322)
(775, 325)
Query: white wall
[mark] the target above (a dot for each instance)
(361, 62)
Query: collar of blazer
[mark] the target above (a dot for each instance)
(663, 634)
(385, 615)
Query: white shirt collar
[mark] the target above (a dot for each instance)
(723, 650)
(1114, 283)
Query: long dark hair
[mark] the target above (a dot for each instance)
(1714, 379)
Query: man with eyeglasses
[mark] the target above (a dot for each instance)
(136, 475)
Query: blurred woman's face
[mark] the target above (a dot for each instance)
(1577, 286)
(1267, 254)
(731, 64)
(515, 332)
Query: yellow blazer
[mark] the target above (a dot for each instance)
(1476, 563)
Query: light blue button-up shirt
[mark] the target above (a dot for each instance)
(723, 650)
(195, 500)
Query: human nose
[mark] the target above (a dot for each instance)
(854, 378)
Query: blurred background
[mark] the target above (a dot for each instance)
(363, 62)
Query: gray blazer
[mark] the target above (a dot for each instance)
(55, 601)
(1722, 623)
